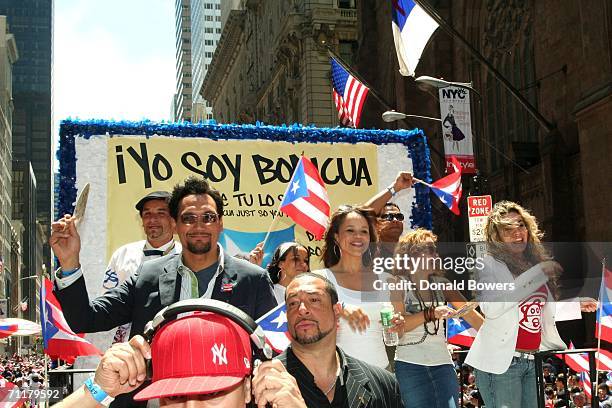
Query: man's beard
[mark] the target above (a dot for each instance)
(319, 335)
(198, 249)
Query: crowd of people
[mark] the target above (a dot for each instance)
(337, 356)
(24, 371)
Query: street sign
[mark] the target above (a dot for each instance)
(476, 249)
(479, 208)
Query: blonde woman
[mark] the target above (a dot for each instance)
(519, 319)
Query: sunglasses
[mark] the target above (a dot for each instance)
(392, 217)
(207, 218)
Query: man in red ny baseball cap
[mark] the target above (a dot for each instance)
(199, 360)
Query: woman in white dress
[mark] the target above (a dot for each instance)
(350, 243)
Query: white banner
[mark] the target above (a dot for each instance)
(457, 127)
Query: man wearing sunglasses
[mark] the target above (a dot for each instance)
(390, 218)
(203, 269)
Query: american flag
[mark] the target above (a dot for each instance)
(349, 95)
(585, 383)
(580, 362)
(305, 200)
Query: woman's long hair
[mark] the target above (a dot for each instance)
(534, 251)
(331, 251)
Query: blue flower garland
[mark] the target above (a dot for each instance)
(414, 140)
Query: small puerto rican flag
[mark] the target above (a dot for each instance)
(274, 325)
(227, 287)
(460, 332)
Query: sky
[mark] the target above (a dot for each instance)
(113, 59)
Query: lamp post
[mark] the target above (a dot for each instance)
(425, 81)
(392, 116)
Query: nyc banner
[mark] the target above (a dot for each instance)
(457, 127)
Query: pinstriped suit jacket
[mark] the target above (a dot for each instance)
(366, 386)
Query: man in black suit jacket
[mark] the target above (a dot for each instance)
(201, 270)
(325, 375)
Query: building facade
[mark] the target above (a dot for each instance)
(31, 21)
(183, 95)
(32, 236)
(272, 63)
(8, 56)
(205, 34)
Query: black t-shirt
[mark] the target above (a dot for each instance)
(204, 276)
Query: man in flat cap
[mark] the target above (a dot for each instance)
(158, 227)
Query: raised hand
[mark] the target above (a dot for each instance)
(66, 242)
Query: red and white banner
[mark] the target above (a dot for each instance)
(457, 127)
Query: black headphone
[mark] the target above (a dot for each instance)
(261, 350)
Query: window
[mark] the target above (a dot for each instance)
(209, 42)
(208, 18)
(208, 30)
(218, 30)
(208, 54)
(217, 18)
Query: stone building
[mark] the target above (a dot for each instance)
(8, 56)
(270, 64)
(560, 59)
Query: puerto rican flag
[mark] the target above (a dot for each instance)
(585, 383)
(58, 338)
(6, 329)
(412, 27)
(580, 362)
(349, 94)
(604, 313)
(459, 332)
(306, 201)
(7, 399)
(448, 189)
(274, 325)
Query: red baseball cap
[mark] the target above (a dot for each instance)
(200, 353)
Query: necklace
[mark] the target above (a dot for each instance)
(335, 379)
(332, 386)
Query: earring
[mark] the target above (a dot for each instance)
(336, 250)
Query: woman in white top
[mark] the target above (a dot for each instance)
(289, 260)
(520, 320)
(347, 255)
(423, 365)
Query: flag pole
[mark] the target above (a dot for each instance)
(599, 326)
(422, 182)
(373, 92)
(269, 231)
(476, 54)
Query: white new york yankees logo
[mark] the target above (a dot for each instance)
(219, 352)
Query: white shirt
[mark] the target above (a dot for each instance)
(432, 351)
(279, 293)
(367, 346)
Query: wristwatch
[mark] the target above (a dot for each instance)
(391, 190)
(98, 393)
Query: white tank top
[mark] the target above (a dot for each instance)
(367, 346)
(432, 351)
